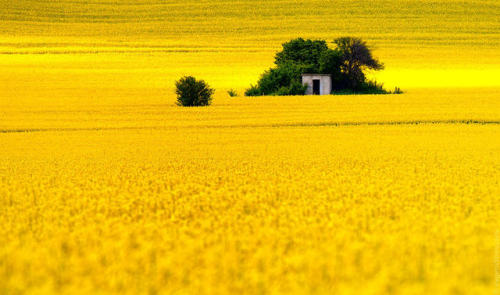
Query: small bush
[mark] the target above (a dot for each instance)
(368, 87)
(191, 92)
(232, 93)
(273, 79)
(372, 87)
(397, 90)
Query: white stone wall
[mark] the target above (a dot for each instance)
(325, 86)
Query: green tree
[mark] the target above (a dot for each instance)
(191, 92)
(356, 57)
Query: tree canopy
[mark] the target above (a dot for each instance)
(303, 53)
(356, 57)
(346, 63)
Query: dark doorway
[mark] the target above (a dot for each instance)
(316, 87)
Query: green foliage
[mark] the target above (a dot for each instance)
(191, 92)
(253, 91)
(304, 53)
(274, 79)
(283, 79)
(296, 88)
(232, 93)
(330, 63)
(367, 87)
(356, 57)
(372, 87)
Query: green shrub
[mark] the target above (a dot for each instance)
(296, 88)
(191, 92)
(397, 90)
(371, 87)
(232, 93)
(274, 79)
(367, 87)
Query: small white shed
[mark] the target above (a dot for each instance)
(317, 84)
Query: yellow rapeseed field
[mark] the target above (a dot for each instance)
(343, 194)
(107, 187)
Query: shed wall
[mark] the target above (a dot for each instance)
(325, 83)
